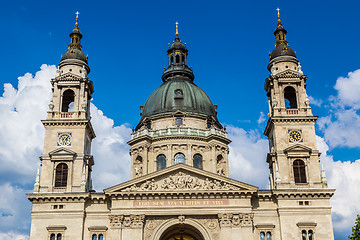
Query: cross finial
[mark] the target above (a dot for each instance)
(77, 18)
(278, 10)
(177, 29)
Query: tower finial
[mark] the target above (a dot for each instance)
(177, 29)
(278, 14)
(77, 18)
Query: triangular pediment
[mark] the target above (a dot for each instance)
(62, 152)
(181, 177)
(68, 77)
(289, 74)
(298, 148)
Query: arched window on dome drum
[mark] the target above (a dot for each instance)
(310, 235)
(52, 236)
(304, 235)
(262, 236)
(59, 236)
(171, 60)
(177, 59)
(68, 101)
(161, 162)
(299, 171)
(198, 161)
(179, 158)
(61, 175)
(290, 97)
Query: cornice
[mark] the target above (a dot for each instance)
(149, 139)
(70, 122)
(287, 119)
(58, 197)
(303, 193)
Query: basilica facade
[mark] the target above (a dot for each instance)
(180, 187)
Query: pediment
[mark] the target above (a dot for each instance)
(68, 77)
(289, 74)
(62, 152)
(298, 148)
(180, 177)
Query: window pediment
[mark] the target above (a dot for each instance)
(298, 150)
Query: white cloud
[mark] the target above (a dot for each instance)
(14, 210)
(13, 236)
(344, 177)
(110, 150)
(349, 89)
(316, 102)
(261, 119)
(247, 157)
(342, 126)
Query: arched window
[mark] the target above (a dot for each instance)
(161, 162)
(61, 175)
(94, 237)
(58, 237)
(262, 236)
(304, 235)
(177, 59)
(178, 121)
(219, 158)
(198, 161)
(179, 158)
(268, 236)
(310, 234)
(299, 171)
(52, 236)
(68, 101)
(101, 237)
(290, 97)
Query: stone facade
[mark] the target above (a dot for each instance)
(180, 186)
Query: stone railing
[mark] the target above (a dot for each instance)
(67, 115)
(292, 112)
(179, 131)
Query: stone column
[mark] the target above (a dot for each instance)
(246, 223)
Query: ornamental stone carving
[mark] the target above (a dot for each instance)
(181, 218)
(182, 181)
(242, 219)
(116, 221)
(130, 221)
(225, 219)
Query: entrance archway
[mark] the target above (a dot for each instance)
(181, 232)
(189, 229)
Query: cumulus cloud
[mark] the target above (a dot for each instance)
(344, 177)
(247, 157)
(342, 126)
(315, 101)
(110, 150)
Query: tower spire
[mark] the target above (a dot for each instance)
(177, 29)
(75, 35)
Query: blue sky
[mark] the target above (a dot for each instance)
(228, 44)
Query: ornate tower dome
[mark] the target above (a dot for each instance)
(178, 93)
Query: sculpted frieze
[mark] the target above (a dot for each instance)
(129, 221)
(182, 181)
(242, 219)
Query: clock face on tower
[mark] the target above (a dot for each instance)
(64, 139)
(295, 136)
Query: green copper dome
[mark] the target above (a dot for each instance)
(74, 53)
(178, 94)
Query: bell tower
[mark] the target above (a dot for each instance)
(66, 160)
(294, 157)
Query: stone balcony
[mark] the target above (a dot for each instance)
(176, 131)
(67, 115)
(292, 112)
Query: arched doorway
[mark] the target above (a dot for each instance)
(181, 232)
